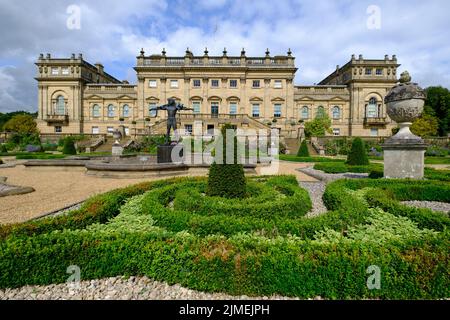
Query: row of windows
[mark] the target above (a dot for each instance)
(56, 71)
(210, 129)
(378, 71)
(371, 109)
(215, 83)
(320, 112)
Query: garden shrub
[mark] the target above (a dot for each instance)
(303, 149)
(358, 153)
(69, 146)
(341, 167)
(147, 230)
(3, 148)
(227, 179)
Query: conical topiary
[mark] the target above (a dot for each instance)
(226, 179)
(69, 146)
(303, 150)
(357, 155)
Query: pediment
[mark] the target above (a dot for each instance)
(94, 97)
(125, 97)
(256, 99)
(277, 99)
(152, 98)
(305, 98)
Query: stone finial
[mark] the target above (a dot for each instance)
(394, 57)
(80, 56)
(405, 77)
(267, 52)
(49, 56)
(242, 52)
(206, 51)
(224, 52)
(142, 52)
(289, 53)
(41, 56)
(386, 57)
(353, 57)
(163, 52)
(360, 57)
(72, 56)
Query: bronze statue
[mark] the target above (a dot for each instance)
(172, 108)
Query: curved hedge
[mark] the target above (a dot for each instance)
(154, 229)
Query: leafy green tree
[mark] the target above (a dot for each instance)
(303, 150)
(22, 124)
(427, 125)
(227, 179)
(318, 127)
(358, 155)
(438, 98)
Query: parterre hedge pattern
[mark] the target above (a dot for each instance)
(260, 245)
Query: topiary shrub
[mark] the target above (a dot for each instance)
(357, 155)
(226, 179)
(303, 150)
(69, 146)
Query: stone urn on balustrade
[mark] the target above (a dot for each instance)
(404, 153)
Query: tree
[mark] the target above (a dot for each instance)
(21, 124)
(303, 150)
(318, 127)
(438, 98)
(69, 146)
(427, 125)
(357, 155)
(226, 179)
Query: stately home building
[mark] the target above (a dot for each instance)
(250, 92)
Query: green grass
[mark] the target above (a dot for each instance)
(294, 158)
(43, 156)
(437, 160)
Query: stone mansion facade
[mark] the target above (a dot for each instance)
(250, 92)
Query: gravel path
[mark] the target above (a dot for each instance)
(119, 288)
(316, 191)
(433, 205)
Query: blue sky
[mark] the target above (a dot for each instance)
(321, 34)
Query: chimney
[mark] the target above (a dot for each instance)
(99, 67)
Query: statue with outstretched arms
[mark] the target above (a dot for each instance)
(172, 107)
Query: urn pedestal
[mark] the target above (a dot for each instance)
(404, 153)
(172, 153)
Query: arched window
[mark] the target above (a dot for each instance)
(320, 112)
(336, 112)
(110, 111)
(305, 112)
(125, 111)
(60, 105)
(96, 110)
(372, 108)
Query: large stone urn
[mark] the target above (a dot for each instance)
(404, 152)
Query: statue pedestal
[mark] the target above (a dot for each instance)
(404, 158)
(170, 153)
(117, 150)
